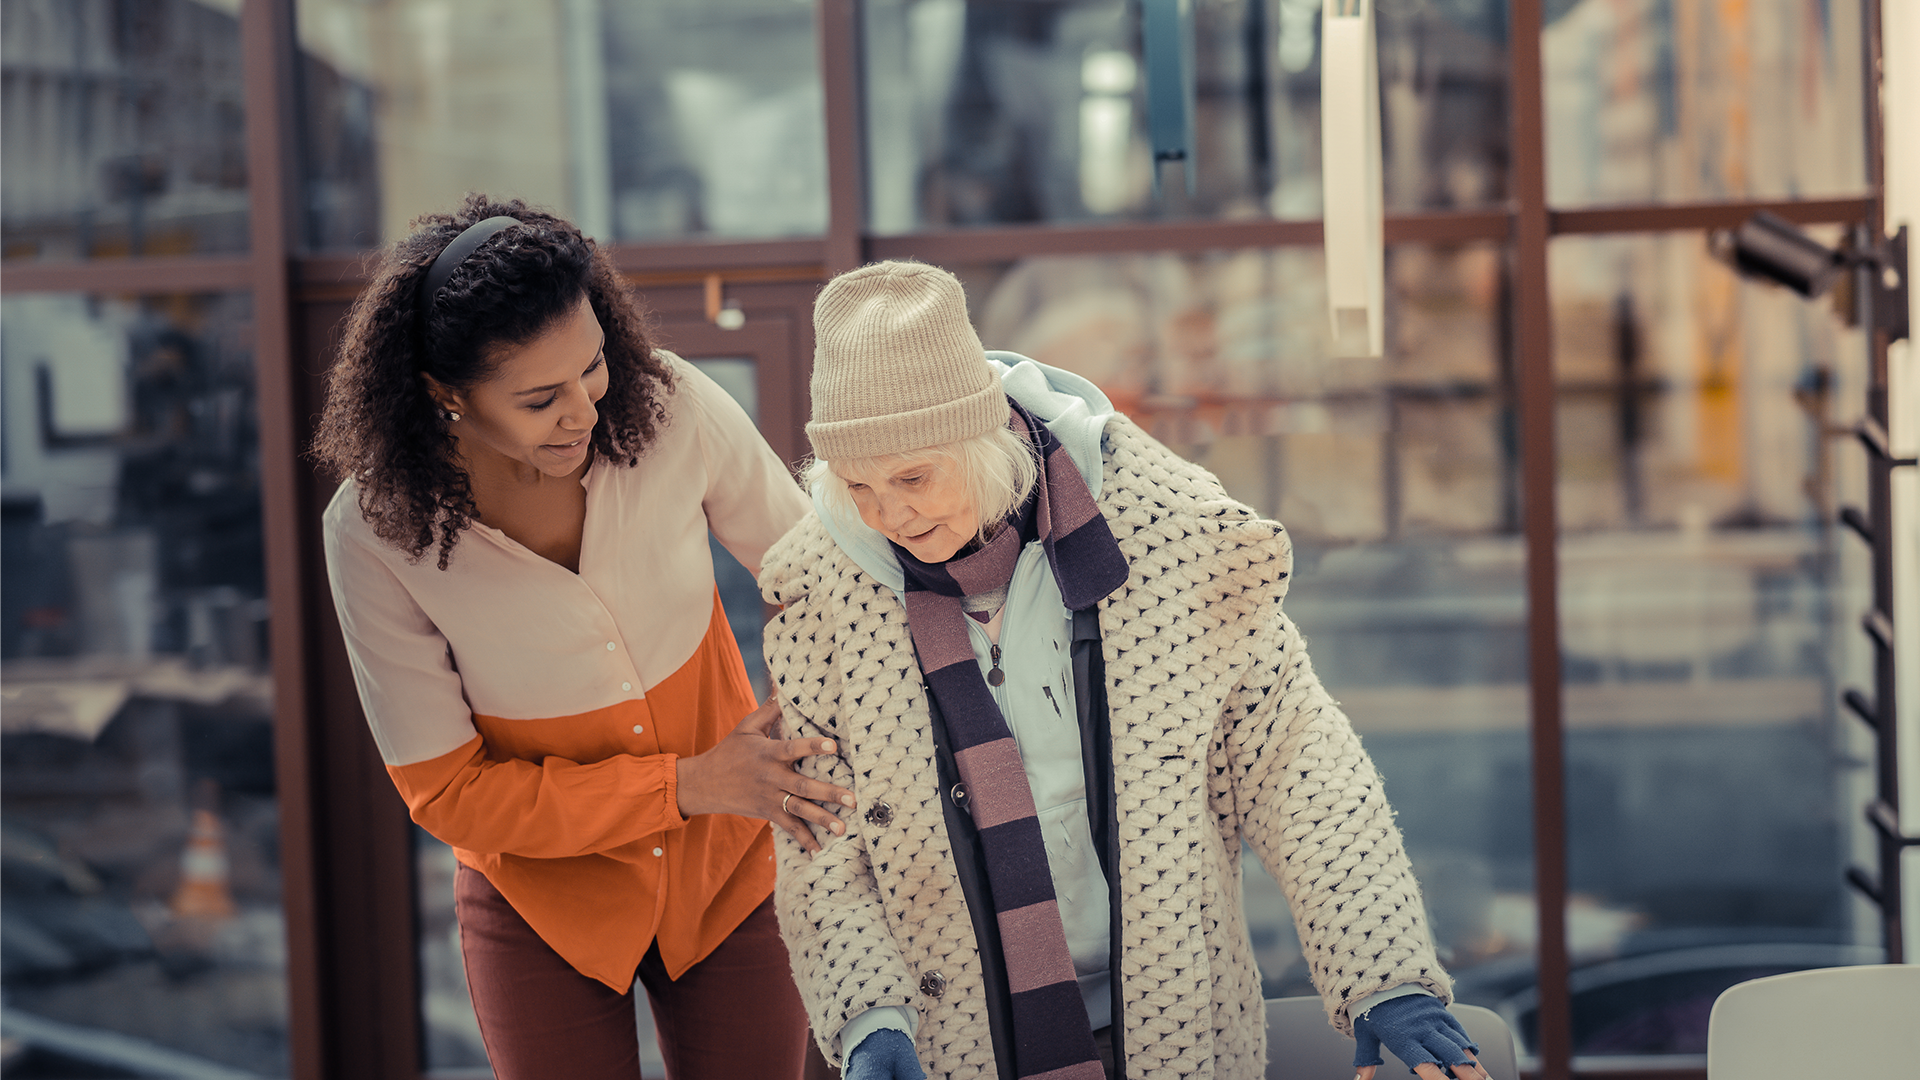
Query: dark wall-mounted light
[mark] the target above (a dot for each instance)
(1770, 248)
(1774, 249)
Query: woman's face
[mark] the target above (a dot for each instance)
(537, 410)
(919, 504)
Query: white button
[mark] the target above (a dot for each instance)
(658, 851)
(609, 646)
(637, 729)
(626, 686)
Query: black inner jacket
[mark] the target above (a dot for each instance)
(1096, 754)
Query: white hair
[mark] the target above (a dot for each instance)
(998, 469)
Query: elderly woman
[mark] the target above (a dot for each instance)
(1053, 658)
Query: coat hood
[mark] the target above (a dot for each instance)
(1072, 408)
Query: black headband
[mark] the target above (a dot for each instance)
(456, 253)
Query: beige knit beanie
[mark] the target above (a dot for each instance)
(897, 366)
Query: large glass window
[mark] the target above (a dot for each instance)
(1657, 101)
(122, 129)
(1703, 603)
(138, 800)
(637, 119)
(1709, 608)
(1395, 479)
(998, 111)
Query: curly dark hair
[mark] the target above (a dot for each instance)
(382, 428)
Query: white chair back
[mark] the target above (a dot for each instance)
(1301, 1045)
(1857, 1022)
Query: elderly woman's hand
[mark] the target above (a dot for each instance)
(886, 1054)
(750, 773)
(1421, 1032)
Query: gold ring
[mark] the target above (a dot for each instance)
(783, 801)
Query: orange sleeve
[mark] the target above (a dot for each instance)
(555, 809)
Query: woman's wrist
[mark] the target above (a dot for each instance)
(686, 785)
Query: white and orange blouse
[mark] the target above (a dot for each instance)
(532, 717)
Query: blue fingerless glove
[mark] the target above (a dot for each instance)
(1417, 1028)
(887, 1054)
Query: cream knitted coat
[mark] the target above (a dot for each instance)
(1221, 733)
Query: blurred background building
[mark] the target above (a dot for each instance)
(205, 865)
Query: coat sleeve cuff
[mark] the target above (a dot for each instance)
(670, 792)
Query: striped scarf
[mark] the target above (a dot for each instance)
(1051, 1037)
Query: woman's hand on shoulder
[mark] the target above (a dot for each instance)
(751, 773)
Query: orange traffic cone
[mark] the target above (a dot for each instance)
(203, 891)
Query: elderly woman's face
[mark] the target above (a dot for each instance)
(921, 505)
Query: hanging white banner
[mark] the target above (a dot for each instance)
(1350, 173)
(1900, 93)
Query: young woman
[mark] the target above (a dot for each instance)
(1053, 656)
(519, 559)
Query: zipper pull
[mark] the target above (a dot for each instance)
(995, 677)
(1048, 690)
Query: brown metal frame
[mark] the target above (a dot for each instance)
(1688, 217)
(347, 852)
(1533, 372)
(1885, 888)
(184, 273)
(346, 843)
(837, 24)
(266, 40)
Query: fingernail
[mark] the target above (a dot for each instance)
(846, 801)
(838, 828)
(826, 746)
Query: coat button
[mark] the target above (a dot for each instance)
(933, 984)
(880, 814)
(959, 794)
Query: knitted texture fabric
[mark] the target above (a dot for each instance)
(1221, 734)
(897, 366)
